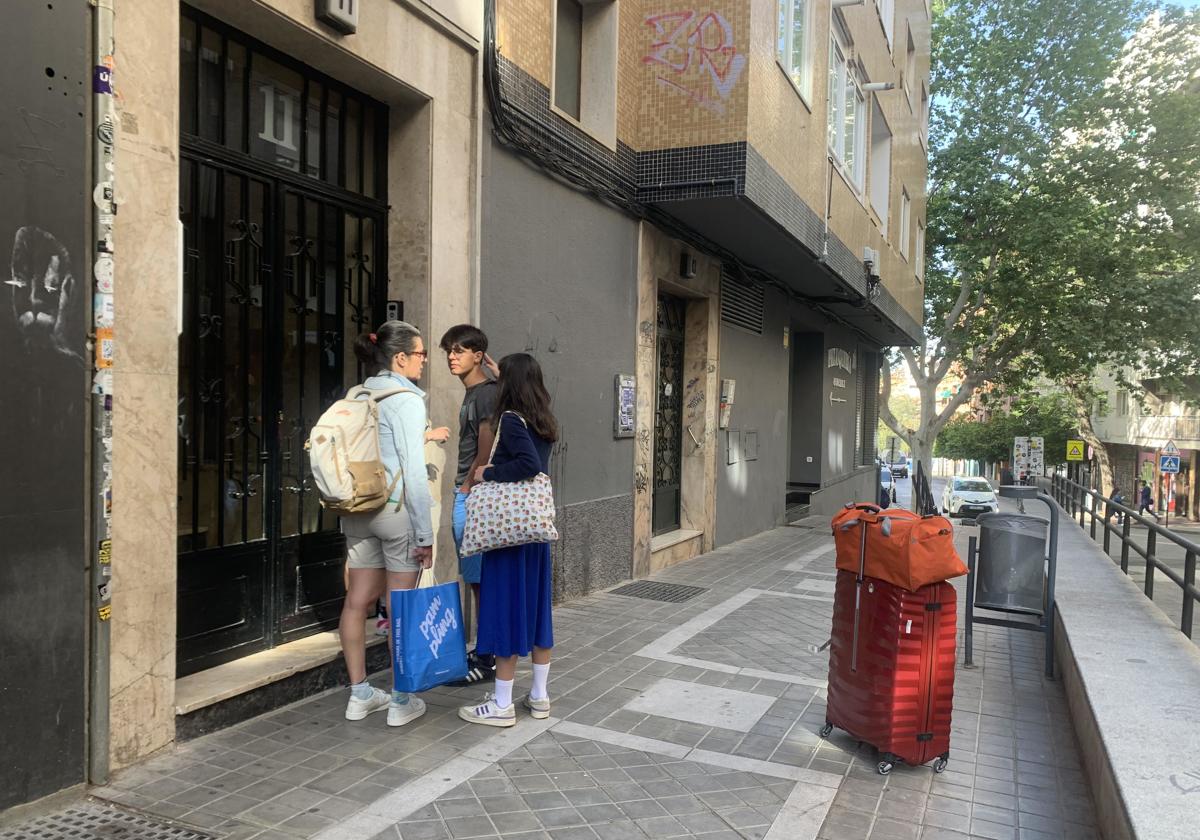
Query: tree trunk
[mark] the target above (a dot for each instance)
(1081, 398)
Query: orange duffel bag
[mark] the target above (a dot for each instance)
(895, 545)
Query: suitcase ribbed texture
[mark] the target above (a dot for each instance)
(897, 694)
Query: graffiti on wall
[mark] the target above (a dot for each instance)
(694, 54)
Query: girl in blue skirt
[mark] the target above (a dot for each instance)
(514, 588)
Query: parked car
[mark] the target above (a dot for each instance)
(968, 496)
(887, 485)
(899, 467)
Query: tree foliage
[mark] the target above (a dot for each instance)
(1062, 211)
(1051, 417)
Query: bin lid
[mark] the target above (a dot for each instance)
(1013, 522)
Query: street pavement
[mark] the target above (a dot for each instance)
(691, 719)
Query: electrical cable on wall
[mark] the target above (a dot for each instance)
(519, 131)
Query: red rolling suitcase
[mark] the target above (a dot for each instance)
(891, 666)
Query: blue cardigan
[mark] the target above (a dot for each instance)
(520, 454)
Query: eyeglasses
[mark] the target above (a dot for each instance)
(424, 354)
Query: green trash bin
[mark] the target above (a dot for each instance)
(1010, 574)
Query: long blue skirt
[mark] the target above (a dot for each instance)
(514, 601)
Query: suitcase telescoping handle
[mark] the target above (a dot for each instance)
(858, 583)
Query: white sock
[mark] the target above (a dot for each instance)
(504, 693)
(541, 675)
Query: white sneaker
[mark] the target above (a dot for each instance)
(539, 709)
(402, 713)
(358, 709)
(488, 713)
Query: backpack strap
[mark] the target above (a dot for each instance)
(378, 396)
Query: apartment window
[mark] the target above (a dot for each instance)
(847, 113)
(919, 255)
(881, 164)
(910, 69)
(568, 56)
(924, 113)
(585, 66)
(792, 45)
(887, 16)
(1123, 403)
(905, 222)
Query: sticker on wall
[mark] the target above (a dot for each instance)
(102, 305)
(102, 382)
(103, 270)
(105, 348)
(104, 613)
(104, 553)
(105, 130)
(102, 196)
(104, 591)
(102, 79)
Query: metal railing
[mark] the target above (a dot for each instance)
(1079, 503)
(923, 492)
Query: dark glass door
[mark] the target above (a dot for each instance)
(283, 244)
(668, 414)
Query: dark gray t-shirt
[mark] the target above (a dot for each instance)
(478, 405)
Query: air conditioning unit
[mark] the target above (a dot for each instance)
(342, 15)
(871, 256)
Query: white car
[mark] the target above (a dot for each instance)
(968, 496)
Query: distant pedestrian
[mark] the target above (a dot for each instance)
(514, 604)
(1146, 502)
(1006, 476)
(1115, 499)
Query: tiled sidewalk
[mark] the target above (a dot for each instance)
(694, 719)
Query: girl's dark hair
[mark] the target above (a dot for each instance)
(376, 350)
(523, 391)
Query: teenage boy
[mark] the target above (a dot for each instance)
(466, 350)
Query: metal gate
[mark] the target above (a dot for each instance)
(668, 414)
(283, 244)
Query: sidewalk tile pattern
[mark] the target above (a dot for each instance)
(304, 771)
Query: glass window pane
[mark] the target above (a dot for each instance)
(211, 85)
(568, 56)
(782, 29)
(831, 96)
(187, 76)
(312, 154)
(235, 93)
(333, 124)
(799, 51)
(368, 168)
(352, 136)
(275, 113)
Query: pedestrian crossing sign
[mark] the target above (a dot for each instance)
(1074, 450)
(1168, 463)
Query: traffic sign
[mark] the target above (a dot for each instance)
(1168, 463)
(1074, 450)
(1171, 449)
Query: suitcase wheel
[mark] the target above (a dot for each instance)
(939, 766)
(884, 767)
(825, 730)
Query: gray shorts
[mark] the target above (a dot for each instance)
(383, 539)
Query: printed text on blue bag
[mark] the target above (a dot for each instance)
(435, 633)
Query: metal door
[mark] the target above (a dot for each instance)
(668, 414)
(283, 248)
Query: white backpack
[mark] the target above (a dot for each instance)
(344, 455)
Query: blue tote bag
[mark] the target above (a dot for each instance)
(429, 647)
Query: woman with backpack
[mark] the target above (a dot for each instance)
(515, 585)
(388, 547)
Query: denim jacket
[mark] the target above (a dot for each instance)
(402, 422)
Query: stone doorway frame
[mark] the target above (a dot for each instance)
(659, 269)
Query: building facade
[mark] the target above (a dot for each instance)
(724, 204)
(1136, 432)
(706, 222)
